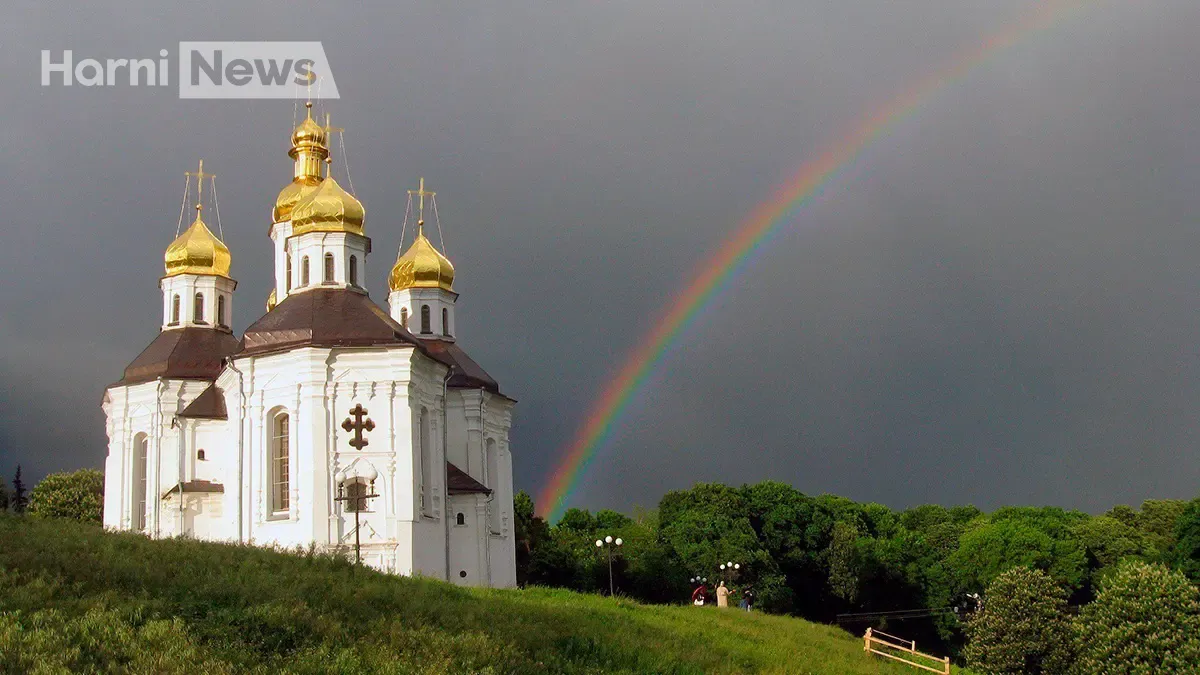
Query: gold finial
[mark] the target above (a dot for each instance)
(421, 194)
(200, 176)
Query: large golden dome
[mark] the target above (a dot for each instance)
(328, 208)
(197, 251)
(422, 266)
(291, 195)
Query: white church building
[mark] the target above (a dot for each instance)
(329, 410)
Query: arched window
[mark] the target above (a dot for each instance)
(328, 268)
(493, 481)
(404, 317)
(445, 322)
(356, 493)
(425, 320)
(221, 311)
(353, 271)
(461, 519)
(198, 309)
(174, 310)
(141, 474)
(280, 456)
(304, 271)
(200, 454)
(288, 271)
(426, 464)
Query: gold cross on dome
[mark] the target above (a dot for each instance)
(421, 194)
(200, 176)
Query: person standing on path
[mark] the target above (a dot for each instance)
(722, 595)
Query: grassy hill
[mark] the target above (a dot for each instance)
(76, 599)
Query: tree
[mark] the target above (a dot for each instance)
(577, 520)
(1145, 621)
(3, 497)
(843, 562)
(1023, 627)
(78, 495)
(1018, 538)
(19, 500)
(1186, 553)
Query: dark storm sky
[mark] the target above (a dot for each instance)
(998, 305)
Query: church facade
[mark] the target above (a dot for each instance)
(330, 420)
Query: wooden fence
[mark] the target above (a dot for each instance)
(904, 651)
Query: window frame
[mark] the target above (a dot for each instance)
(279, 476)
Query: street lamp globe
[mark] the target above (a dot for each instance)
(599, 543)
(619, 542)
(737, 566)
(608, 539)
(722, 565)
(729, 564)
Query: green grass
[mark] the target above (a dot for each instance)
(76, 599)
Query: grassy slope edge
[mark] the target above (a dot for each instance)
(76, 599)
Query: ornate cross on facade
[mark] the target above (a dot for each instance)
(358, 425)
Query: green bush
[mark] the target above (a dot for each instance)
(1023, 628)
(78, 495)
(1145, 621)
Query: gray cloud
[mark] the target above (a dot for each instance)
(996, 305)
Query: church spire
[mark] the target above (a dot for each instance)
(197, 288)
(422, 281)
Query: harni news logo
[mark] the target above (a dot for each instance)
(205, 70)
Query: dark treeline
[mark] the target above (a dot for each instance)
(819, 557)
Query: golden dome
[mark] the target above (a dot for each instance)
(308, 133)
(271, 302)
(291, 195)
(197, 251)
(421, 266)
(328, 208)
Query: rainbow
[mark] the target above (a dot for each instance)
(749, 238)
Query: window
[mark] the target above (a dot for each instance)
(304, 271)
(445, 322)
(356, 492)
(404, 317)
(425, 319)
(461, 519)
(353, 271)
(200, 455)
(221, 311)
(288, 272)
(174, 310)
(280, 452)
(141, 471)
(198, 309)
(329, 268)
(426, 464)
(493, 481)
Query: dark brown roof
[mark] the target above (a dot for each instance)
(191, 353)
(209, 405)
(465, 373)
(459, 483)
(324, 318)
(195, 486)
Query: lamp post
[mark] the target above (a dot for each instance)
(728, 569)
(609, 544)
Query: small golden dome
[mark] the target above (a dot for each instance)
(328, 208)
(271, 302)
(422, 266)
(308, 132)
(291, 195)
(197, 251)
